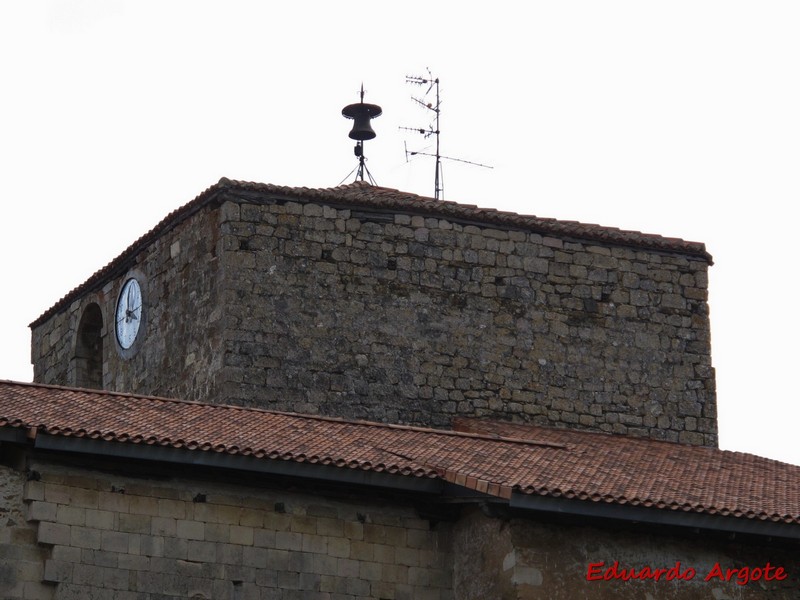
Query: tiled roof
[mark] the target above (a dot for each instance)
(361, 194)
(494, 458)
(644, 472)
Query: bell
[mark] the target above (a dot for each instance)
(361, 114)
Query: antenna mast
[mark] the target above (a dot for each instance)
(433, 129)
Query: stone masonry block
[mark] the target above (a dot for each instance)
(85, 574)
(132, 523)
(358, 587)
(224, 514)
(230, 554)
(113, 541)
(408, 557)
(175, 509)
(361, 550)
(133, 563)
(287, 540)
(338, 547)
(66, 554)
(263, 538)
(175, 547)
(254, 557)
(325, 564)
(371, 571)
(190, 530)
(115, 578)
(218, 532)
(113, 501)
(35, 590)
(42, 511)
(278, 559)
(99, 519)
(384, 554)
(83, 498)
(56, 571)
(315, 543)
(353, 530)
(251, 517)
(166, 526)
(53, 533)
(241, 535)
(151, 545)
(383, 590)
(304, 524)
(34, 490)
(144, 505)
(201, 551)
(58, 494)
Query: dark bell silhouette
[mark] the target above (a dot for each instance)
(361, 113)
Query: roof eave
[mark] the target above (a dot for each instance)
(654, 516)
(408, 484)
(287, 468)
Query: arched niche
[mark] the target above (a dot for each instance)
(89, 349)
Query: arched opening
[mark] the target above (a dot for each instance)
(89, 349)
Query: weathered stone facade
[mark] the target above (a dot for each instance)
(419, 319)
(81, 532)
(390, 315)
(21, 560)
(527, 559)
(178, 353)
(98, 535)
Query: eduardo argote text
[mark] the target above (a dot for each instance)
(600, 571)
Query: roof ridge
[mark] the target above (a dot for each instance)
(405, 427)
(602, 434)
(255, 409)
(365, 194)
(623, 437)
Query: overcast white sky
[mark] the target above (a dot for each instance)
(680, 118)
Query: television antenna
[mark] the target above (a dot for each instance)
(433, 130)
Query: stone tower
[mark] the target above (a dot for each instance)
(366, 302)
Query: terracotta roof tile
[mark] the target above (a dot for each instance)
(636, 471)
(490, 457)
(362, 194)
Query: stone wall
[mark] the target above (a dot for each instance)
(71, 533)
(392, 316)
(177, 354)
(397, 317)
(21, 560)
(128, 538)
(521, 559)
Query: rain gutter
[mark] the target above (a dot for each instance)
(267, 466)
(654, 516)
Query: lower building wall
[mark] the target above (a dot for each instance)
(21, 559)
(69, 532)
(522, 559)
(93, 535)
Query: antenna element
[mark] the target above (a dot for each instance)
(433, 129)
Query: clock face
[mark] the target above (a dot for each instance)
(129, 313)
